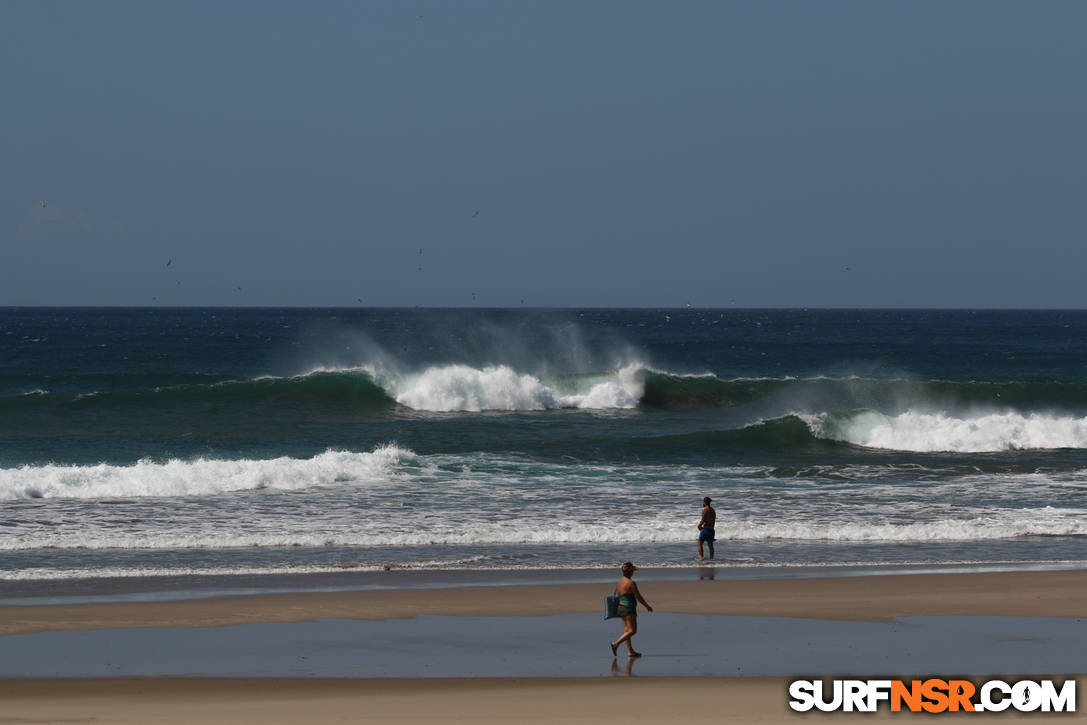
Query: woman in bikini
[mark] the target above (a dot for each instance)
(629, 596)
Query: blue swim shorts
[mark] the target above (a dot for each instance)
(705, 534)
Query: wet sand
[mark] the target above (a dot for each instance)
(611, 697)
(1022, 594)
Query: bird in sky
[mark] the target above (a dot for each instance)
(43, 206)
(473, 216)
(169, 262)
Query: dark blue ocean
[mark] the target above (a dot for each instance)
(166, 442)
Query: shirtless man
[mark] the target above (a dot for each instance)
(705, 526)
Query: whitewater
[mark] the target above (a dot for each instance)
(499, 387)
(939, 432)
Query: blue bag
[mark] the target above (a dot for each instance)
(611, 605)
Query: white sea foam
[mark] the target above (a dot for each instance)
(410, 530)
(918, 566)
(460, 387)
(1010, 524)
(623, 390)
(198, 478)
(924, 432)
(500, 387)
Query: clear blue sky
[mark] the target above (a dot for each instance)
(627, 153)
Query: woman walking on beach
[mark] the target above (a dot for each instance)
(629, 596)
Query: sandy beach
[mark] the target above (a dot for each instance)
(1057, 594)
(1017, 594)
(401, 701)
(642, 700)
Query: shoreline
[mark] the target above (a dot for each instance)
(178, 586)
(857, 598)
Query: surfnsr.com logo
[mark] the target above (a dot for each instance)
(933, 695)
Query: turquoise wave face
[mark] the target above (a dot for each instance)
(449, 389)
(665, 390)
(337, 391)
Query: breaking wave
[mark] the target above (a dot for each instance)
(464, 388)
(453, 387)
(460, 387)
(200, 477)
(939, 432)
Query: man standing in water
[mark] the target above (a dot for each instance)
(705, 527)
